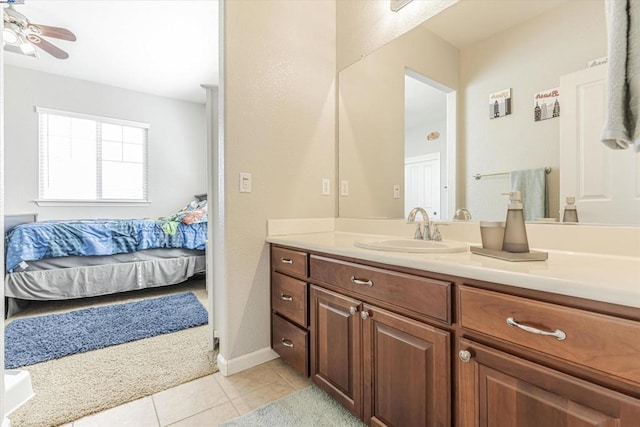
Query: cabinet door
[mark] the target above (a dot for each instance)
(501, 390)
(335, 347)
(406, 371)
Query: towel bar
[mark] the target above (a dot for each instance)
(480, 175)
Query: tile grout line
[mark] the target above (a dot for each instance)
(155, 410)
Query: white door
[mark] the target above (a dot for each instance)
(605, 182)
(422, 184)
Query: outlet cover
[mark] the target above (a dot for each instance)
(326, 186)
(396, 191)
(344, 187)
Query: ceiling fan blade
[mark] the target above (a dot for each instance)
(47, 47)
(55, 32)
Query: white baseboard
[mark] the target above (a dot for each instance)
(238, 364)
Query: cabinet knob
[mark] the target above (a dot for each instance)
(465, 355)
(364, 315)
(353, 310)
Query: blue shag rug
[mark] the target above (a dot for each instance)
(38, 339)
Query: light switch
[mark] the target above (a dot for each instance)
(245, 182)
(396, 191)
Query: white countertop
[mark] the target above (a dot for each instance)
(606, 278)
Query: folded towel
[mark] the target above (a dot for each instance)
(633, 70)
(621, 127)
(532, 185)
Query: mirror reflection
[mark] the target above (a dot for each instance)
(525, 47)
(425, 145)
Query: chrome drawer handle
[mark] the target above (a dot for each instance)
(560, 335)
(286, 260)
(287, 343)
(361, 282)
(286, 297)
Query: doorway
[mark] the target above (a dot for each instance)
(429, 145)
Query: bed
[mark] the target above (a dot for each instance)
(56, 260)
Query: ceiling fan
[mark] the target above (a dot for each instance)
(20, 35)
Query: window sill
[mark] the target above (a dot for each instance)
(93, 202)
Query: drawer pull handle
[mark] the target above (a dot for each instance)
(286, 260)
(361, 281)
(560, 335)
(286, 297)
(287, 343)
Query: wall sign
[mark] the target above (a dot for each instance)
(546, 104)
(500, 103)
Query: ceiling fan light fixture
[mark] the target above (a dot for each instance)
(22, 36)
(9, 35)
(26, 47)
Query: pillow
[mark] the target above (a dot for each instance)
(195, 216)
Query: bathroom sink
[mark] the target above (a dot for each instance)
(412, 245)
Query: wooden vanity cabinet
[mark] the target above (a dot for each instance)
(387, 345)
(406, 371)
(336, 354)
(384, 367)
(289, 304)
(498, 389)
(501, 390)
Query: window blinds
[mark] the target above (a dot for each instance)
(90, 158)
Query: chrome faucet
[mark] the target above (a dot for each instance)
(426, 233)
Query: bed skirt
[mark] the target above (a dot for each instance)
(96, 280)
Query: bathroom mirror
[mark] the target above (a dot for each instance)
(468, 51)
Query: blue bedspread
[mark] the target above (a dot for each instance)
(38, 240)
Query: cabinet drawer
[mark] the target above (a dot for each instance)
(428, 297)
(289, 261)
(289, 298)
(598, 341)
(291, 343)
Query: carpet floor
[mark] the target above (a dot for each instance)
(305, 408)
(71, 387)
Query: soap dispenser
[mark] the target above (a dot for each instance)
(570, 211)
(515, 232)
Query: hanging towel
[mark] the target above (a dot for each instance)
(532, 185)
(621, 128)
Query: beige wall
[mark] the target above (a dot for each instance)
(365, 25)
(528, 59)
(371, 119)
(279, 102)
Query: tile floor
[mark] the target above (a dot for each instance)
(204, 402)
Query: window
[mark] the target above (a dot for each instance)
(90, 158)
